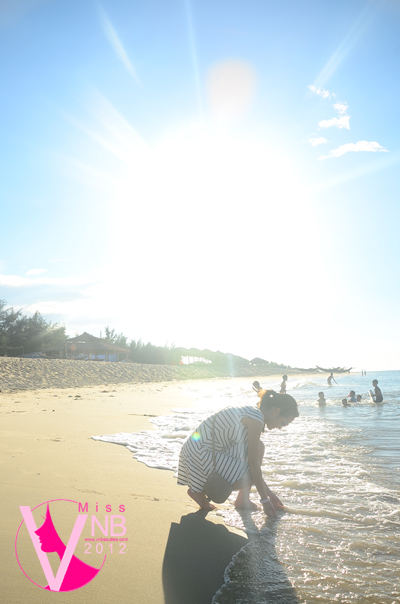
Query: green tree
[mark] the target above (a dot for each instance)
(21, 333)
(115, 338)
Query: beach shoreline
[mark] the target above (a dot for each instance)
(19, 374)
(47, 453)
(176, 553)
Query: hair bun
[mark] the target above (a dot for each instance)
(264, 391)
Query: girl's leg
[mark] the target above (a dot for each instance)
(201, 500)
(243, 497)
(244, 485)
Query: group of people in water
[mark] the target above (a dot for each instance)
(376, 395)
(351, 397)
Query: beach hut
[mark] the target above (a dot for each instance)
(89, 347)
(258, 361)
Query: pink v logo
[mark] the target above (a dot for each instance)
(54, 582)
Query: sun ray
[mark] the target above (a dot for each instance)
(117, 45)
(195, 62)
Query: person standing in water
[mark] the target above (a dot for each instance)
(256, 386)
(377, 397)
(283, 385)
(330, 378)
(321, 399)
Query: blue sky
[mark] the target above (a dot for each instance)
(221, 175)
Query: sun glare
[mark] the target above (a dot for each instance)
(212, 214)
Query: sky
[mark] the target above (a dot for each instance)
(209, 174)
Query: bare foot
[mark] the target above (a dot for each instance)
(201, 500)
(244, 503)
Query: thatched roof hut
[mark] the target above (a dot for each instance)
(92, 347)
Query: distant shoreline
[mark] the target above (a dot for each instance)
(18, 374)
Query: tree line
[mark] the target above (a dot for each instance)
(139, 352)
(21, 334)
(166, 355)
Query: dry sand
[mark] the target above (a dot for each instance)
(32, 374)
(175, 553)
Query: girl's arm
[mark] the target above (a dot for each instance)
(254, 432)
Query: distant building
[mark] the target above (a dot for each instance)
(90, 348)
(258, 361)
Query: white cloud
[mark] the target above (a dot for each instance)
(343, 121)
(341, 108)
(14, 281)
(36, 271)
(55, 307)
(360, 146)
(17, 281)
(321, 92)
(338, 122)
(117, 45)
(317, 141)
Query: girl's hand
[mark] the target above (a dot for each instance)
(276, 502)
(269, 509)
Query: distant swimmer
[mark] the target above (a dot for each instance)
(352, 396)
(321, 399)
(344, 402)
(358, 397)
(329, 380)
(257, 387)
(283, 385)
(377, 396)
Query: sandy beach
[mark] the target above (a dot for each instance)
(31, 374)
(175, 553)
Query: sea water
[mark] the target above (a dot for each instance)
(336, 469)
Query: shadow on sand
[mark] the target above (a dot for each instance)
(201, 554)
(196, 556)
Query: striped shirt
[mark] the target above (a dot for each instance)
(231, 448)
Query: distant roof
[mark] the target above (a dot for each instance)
(258, 361)
(99, 343)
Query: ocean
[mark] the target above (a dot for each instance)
(336, 469)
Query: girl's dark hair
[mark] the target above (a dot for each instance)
(286, 403)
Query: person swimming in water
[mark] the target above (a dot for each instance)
(352, 396)
(321, 399)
